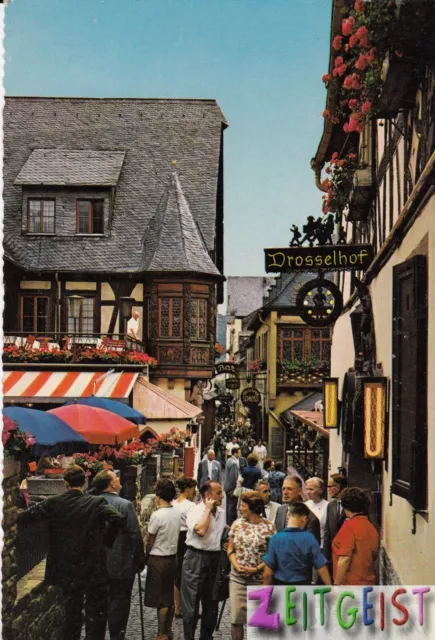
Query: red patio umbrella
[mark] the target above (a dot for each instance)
(97, 426)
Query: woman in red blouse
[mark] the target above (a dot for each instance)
(355, 547)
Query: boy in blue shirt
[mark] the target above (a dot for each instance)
(293, 552)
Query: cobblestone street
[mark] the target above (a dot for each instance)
(150, 623)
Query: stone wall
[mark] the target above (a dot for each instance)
(30, 609)
(388, 574)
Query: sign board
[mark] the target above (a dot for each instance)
(251, 396)
(232, 383)
(226, 367)
(225, 398)
(327, 257)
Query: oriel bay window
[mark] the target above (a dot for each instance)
(82, 322)
(35, 314)
(40, 215)
(170, 317)
(198, 321)
(90, 216)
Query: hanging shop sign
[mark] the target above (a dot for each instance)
(327, 257)
(226, 367)
(232, 383)
(224, 410)
(251, 397)
(319, 302)
(225, 398)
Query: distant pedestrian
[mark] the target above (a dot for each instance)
(356, 545)
(335, 515)
(268, 466)
(276, 479)
(209, 469)
(163, 532)
(183, 504)
(317, 503)
(232, 472)
(126, 557)
(79, 527)
(202, 562)
(252, 473)
(230, 445)
(294, 552)
(261, 452)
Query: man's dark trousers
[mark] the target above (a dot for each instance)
(200, 569)
(119, 607)
(231, 507)
(93, 598)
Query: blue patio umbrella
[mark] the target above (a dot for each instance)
(53, 435)
(114, 406)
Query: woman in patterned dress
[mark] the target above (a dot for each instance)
(248, 540)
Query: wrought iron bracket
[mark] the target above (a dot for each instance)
(416, 512)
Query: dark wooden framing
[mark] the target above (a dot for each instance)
(170, 297)
(415, 491)
(90, 202)
(36, 294)
(41, 201)
(306, 340)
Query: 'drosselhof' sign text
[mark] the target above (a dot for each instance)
(328, 257)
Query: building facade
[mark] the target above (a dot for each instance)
(386, 331)
(114, 207)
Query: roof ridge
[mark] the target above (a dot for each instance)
(189, 409)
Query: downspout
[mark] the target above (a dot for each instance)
(57, 316)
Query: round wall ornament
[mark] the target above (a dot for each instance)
(319, 302)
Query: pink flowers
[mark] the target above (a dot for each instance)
(336, 43)
(353, 104)
(326, 77)
(362, 34)
(360, 6)
(352, 82)
(354, 124)
(326, 113)
(362, 62)
(340, 67)
(366, 108)
(347, 26)
(353, 41)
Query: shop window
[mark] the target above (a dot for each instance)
(40, 215)
(35, 314)
(90, 216)
(304, 344)
(409, 384)
(170, 317)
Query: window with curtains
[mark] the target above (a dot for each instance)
(90, 216)
(304, 344)
(35, 314)
(40, 215)
(170, 317)
(85, 322)
(198, 318)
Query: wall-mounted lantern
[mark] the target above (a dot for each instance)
(375, 416)
(126, 305)
(330, 403)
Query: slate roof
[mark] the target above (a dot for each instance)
(71, 167)
(151, 133)
(284, 291)
(245, 294)
(173, 241)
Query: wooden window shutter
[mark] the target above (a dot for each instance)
(410, 317)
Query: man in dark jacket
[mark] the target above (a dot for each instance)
(291, 493)
(335, 515)
(79, 527)
(124, 559)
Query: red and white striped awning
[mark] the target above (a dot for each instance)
(51, 385)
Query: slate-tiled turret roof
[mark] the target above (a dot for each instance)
(173, 241)
(151, 133)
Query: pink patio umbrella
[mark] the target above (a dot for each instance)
(97, 426)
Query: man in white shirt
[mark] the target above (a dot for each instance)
(317, 504)
(133, 326)
(205, 526)
(270, 507)
(230, 445)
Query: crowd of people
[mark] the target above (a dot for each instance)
(273, 531)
